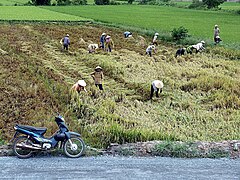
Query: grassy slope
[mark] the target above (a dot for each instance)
(34, 13)
(161, 18)
(200, 100)
(13, 2)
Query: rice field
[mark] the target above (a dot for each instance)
(13, 2)
(225, 5)
(32, 13)
(158, 18)
(149, 18)
(200, 99)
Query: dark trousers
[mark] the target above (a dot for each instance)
(100, 86)
(152, 91)
(102, 44)
(155, 43)
(149, 53)
(109, 48)
(65, 46)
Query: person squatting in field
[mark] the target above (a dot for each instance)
(109, 44)
(154, 41)
(65, 42)
(155, 87)
(149, 50)
(79, 86)
(97, 76)
(92, 48)
(102, 40)
(127, 34)
(180, 52)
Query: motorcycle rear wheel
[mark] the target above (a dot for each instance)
(18, 147)
(74, 149)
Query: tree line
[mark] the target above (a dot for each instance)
(195, 3)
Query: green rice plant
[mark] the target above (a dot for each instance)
(175, 149)
(2, 141)
(208, 83)
(221, 99)
(34, 14)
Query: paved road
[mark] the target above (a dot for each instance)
(108, 167)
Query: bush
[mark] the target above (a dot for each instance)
(70, 2)
(130, 1)
(114, 3)
(41, 2)
(180, 33)
(79, 2)
(101, 2)
(196, 4)
(157, 2)
(174, 149)
(63, 2)
(212, 3)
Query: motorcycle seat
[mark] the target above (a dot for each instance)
(38, 130)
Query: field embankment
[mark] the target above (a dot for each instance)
(200, 100)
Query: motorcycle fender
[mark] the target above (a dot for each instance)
(71, 134)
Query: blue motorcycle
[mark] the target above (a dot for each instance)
(28, 139)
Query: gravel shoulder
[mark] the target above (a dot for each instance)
(118, 167)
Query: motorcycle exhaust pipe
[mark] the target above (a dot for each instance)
(29, 146)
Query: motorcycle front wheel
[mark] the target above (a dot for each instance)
(20, 148)
(74, 147)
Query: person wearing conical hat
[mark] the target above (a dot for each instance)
(149, 50)
(79, 86)
(102, 40)
(199, 46)
(92, 48)
(156, 86)
(217, 40)
(127, 34)
(97, 76)
(154, 41)
(65, 42)
(109, 43)
(216, 33)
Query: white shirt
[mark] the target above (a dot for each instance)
(149, 48)
(155, 38)
(199, 46)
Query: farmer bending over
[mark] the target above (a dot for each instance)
(79, 86)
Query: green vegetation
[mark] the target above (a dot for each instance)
(179, 33)
(230, 6)
(31, 13)
(224, 6)
(201, 96)
(147, 17)
(175, 149)
(186, 150)
(13, 2)
(200, 99)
